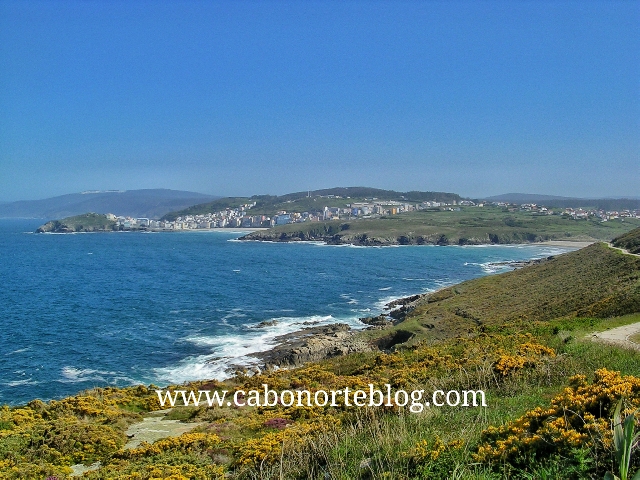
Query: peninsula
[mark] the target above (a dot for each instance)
(88, 222)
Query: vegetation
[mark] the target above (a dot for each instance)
(312, 200)
(551, 393)
(624, 442)
(89, 222)
(629, 241)
(596, 281)
(468, 226)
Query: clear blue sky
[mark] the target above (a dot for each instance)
(230, 98)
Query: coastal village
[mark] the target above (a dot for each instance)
(240, 217)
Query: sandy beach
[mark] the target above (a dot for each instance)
(565, 243)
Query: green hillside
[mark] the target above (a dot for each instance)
(596, 281)
(313, 200)
(629, 241)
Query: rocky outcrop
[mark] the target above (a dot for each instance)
(520, 263)
(311, 345)
(380, 322)
(340, 235)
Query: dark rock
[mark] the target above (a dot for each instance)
(312, 344)
(270, 323)
(392, 340)
(377, 323)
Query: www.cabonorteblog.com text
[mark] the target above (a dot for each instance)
(417, 400)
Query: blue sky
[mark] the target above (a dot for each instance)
(241, 98)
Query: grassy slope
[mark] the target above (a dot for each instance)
(468, 226)
(596, 281)
(630, 241)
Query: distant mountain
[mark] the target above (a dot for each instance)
(524, 198)
(609, 203)
(149, 203)
(308, 200)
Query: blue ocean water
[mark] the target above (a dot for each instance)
(97, 309)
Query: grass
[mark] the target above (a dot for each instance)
(470, 225)
(596, 281)
(629, 241)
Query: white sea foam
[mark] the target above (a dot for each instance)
(20, 350)
(350, 300)
(489, 267)
(26, 381)
(236, 350)
(75, 375)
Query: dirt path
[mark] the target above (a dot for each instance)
(619, 336)
(623, 250)
(153, 427)
(156, 426)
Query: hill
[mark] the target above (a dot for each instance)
(596, 281)
(630, 241)
(466, 226)
(88, 222)
(148, 203)
(312, 200)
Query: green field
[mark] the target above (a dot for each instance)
(470, 225)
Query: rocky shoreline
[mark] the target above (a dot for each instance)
(316, 343)
(368, 240)
(520, 263)
(311, 344)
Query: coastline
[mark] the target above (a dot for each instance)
(280, 342)
(322, 342)
(437, 239)
(565, 243)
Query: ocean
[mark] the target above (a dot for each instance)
(97, 309)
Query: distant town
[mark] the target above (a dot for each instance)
(240, 217)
